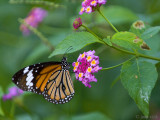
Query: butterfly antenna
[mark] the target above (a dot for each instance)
(70, 48)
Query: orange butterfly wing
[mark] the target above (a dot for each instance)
(48, 79)
(59, 88)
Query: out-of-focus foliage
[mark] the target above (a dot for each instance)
(99, 102)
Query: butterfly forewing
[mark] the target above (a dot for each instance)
(51, 79)
(27, 78)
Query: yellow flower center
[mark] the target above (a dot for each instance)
(82, 56)
(89, 58)
(74, 68)
(88, 9)
(89, 69)
(93, 2)
(76, 64)
(82, 9)
(80, 75)
(93, 62)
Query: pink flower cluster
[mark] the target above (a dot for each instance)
(87, 64)
(89, 6)
(34, 18)
(13, 92)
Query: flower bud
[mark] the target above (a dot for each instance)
(77, 23)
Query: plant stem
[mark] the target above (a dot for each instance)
(136, 54)
(93, 33)
(112, 67)
(90, 31)
(39, 34)
(122, 50)
(117, 65)
(36, 2)
(107, 20)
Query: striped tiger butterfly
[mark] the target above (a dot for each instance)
(50, 79)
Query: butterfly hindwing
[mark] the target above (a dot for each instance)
(59, 88)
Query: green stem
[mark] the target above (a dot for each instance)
(107, 20)
(93, 33)
(40, 35)
(37, 2)
(112, 67)
(90, 31)
(117, 65)
(122, 50)
(136, 54)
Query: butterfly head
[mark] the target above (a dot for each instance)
(65, 64)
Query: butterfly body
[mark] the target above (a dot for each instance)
(51, 79)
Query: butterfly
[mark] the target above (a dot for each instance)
(50, 79)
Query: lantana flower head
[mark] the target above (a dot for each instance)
(87, 64)
(89, 6)
(33, 19)
(13, 92)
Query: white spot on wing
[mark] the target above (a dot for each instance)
(29, 79)
(26, 70)
(30, 84)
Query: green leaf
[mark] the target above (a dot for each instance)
(138, 27)
(117, 15)
(91, 116)
(150, 32)
(139, 78)
(129, 41)
(154, 44)
(108, 40)
(143, 30)
(76, 40)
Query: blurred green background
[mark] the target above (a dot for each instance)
(98, 102)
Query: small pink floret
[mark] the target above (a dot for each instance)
(33, 19)
(13, 92)
(102, 1)
(88, 9)
(91, 5)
